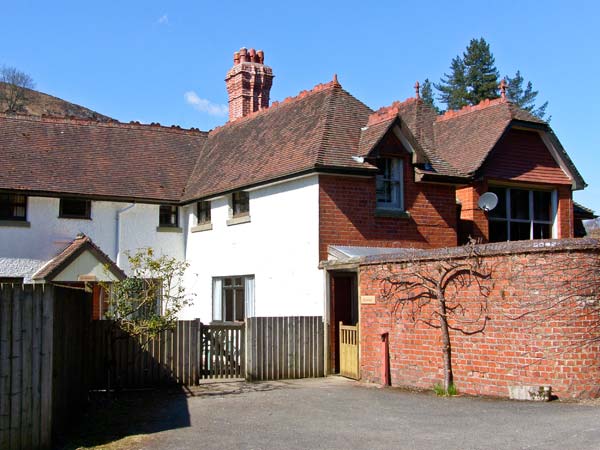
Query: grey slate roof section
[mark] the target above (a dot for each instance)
(345, 252)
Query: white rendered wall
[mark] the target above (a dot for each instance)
(279, 246)
(49, 234)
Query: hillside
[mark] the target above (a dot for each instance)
(39, 103)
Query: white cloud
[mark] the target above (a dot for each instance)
(203, 105)
(163, 20)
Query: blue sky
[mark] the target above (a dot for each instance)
(137, 60)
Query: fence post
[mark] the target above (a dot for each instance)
(248, 362)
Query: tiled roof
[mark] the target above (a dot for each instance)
(68, 255)
(81, 157)
(465, 137)
(319, 129)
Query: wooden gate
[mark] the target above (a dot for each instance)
(222, 351)
(349, 361)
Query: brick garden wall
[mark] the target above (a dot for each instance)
(540, 327)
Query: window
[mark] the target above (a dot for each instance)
(203, 213)
(521, 214)
(240, 204)
(233, 298)
(13, 207)
(75, 208)
(389, 189)
(168, 216)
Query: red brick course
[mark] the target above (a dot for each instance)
(347, 214)
(536, 333)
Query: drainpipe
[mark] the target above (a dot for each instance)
(385, 367)
(118, 234)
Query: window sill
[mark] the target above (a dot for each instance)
(169, 229)
(75, 217)
(201, 227)
(388, 212)
(238, 220)
(15, 223)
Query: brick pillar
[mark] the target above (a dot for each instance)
(248, 83)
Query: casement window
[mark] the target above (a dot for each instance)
(203, 213)
(522, 214)
(168, 216)
(240, 204)
(233, 298)
(389, 184)
(75, 208)
(13, 207)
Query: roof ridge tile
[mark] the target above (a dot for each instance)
(276, 104)
(453, 113)
(388, 112)
(72, 120)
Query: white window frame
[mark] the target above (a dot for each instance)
(218, 306)
(396, 178)
(531, 221)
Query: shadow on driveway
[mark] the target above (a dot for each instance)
(114, 416)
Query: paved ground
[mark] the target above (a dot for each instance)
(335, 413)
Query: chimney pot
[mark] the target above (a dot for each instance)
(252, 55)
(248, 87)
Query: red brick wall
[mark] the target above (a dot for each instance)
(535, 334)
(347, 214)
(474, 222)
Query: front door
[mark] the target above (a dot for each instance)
(343, 310)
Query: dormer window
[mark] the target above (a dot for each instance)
(389, 184)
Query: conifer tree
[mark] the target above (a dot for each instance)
(453, 86)
(525, 97)
(473, 77)
(427, 94)
(481, 74)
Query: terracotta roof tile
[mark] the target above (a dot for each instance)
(317, 129)
(82, 157)
(70, 252)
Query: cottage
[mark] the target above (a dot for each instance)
(256, 204)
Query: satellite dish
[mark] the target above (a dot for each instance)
(487, 201)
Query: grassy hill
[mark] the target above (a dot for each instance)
(39, 103)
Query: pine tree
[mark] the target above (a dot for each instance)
(453, 86)
(427, 95)
(473, 77)
(525, 97)
(481, 74)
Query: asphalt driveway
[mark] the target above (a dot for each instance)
(335, 413)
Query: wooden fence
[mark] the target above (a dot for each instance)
(285, 347)
(52, 354)
(42, 336)
(190, 352)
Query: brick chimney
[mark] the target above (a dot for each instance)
(248, 83)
